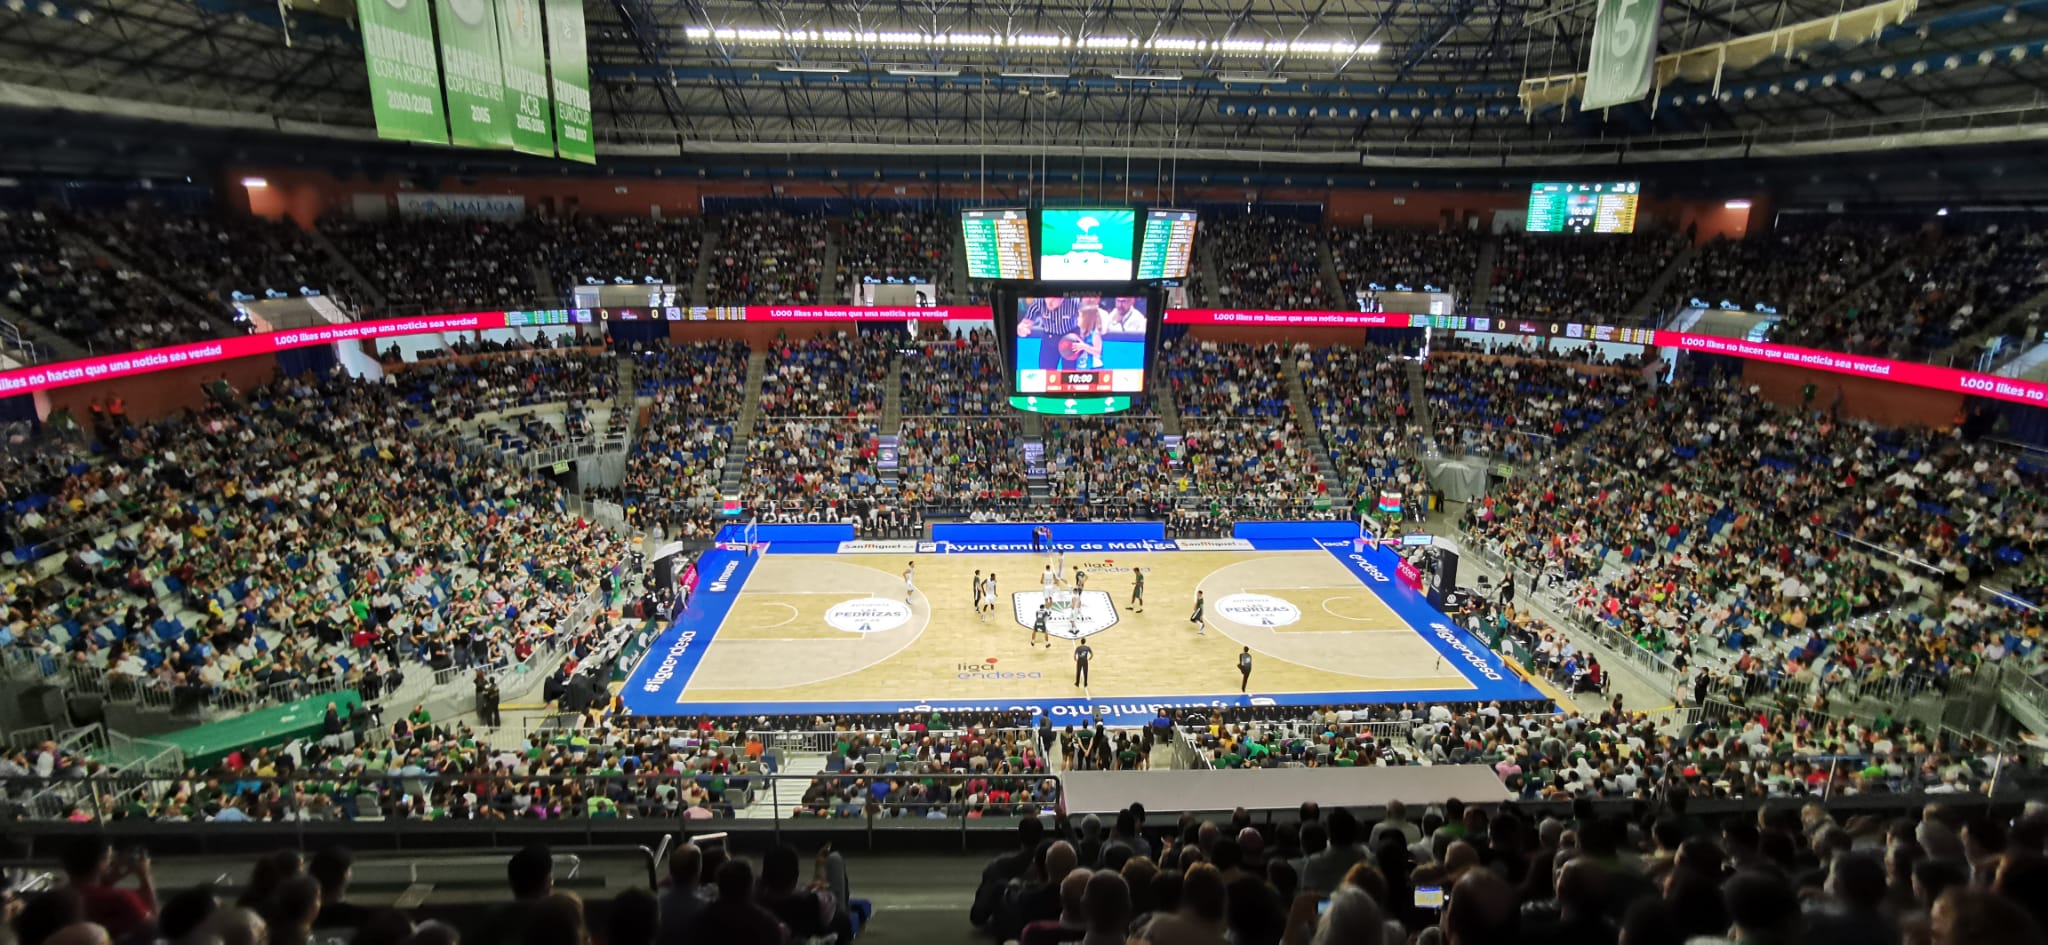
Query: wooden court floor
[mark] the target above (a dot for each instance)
(1310, 625)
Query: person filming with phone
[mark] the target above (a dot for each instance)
(92, 869)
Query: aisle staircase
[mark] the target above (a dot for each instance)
(962, 286)
(214, 325)
(892, 395)
(1418, 401)
(1169, 412)
(700, 279)
(2013, 319)
(1651, 305)
(1205, 257)
(1032, 438)
(732, 479)
(1481, 290)
(1325, 466)
(781, 802)
(1331, 284)
(47, 345)
(372, 298)
(625, 415)
(828, 278)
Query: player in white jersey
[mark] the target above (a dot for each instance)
(988, 596)
(1049, 580)
(909, 581)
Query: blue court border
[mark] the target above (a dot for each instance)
(654, 686)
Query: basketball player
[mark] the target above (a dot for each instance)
(909, 581)
(1047, 581)
(1137, 590)
(976, 591)
(1038, 626)
(1201, 626)
(1080, 582)
(988, 596)
(1059, 562)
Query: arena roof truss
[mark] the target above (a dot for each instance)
(1386, 82)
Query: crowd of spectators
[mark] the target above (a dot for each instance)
(673, 471)
(840, 375)
(1943, 875)
(445, 264)
(1114, 459)
(1385, 259)
(1753, 751)
(465, 389)
(958, 374)
(87, 299)
(316, 533)
(1359, 397)
(1225, 379)
(211, 257)
(1944, 290)
(964, 464)
(1265, 262)
(605, 250)
(1231, 459)
(768, 257)
(1517, 406)
(899, 246)
(1596, 279)
(1701, 530)
(803, 460)
(711, 895)
(1795, 271)
(1966, 508)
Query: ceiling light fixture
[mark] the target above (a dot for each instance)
(1252, 79)
(1097, 42)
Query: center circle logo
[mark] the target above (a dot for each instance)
(1257, 610)
(868, 615)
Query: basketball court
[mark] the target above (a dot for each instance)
(810, 626)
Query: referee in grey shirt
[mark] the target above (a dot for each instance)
(1082, 653)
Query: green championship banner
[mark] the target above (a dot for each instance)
(1624, 52)
(522, 41)
(569, 66)
(405, 77)
(477, 116)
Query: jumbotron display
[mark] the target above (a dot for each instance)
(998, 243)
(1608, 207)
(1083, 344)
(1086, 245)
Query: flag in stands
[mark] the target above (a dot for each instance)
(1390, 502)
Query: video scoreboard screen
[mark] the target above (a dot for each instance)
(998, 243)
(1521, 326)
(1086, 245)
(1168, 244)
(1608, 207)
(1081, 344)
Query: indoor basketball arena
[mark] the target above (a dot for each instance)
(562, 472)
